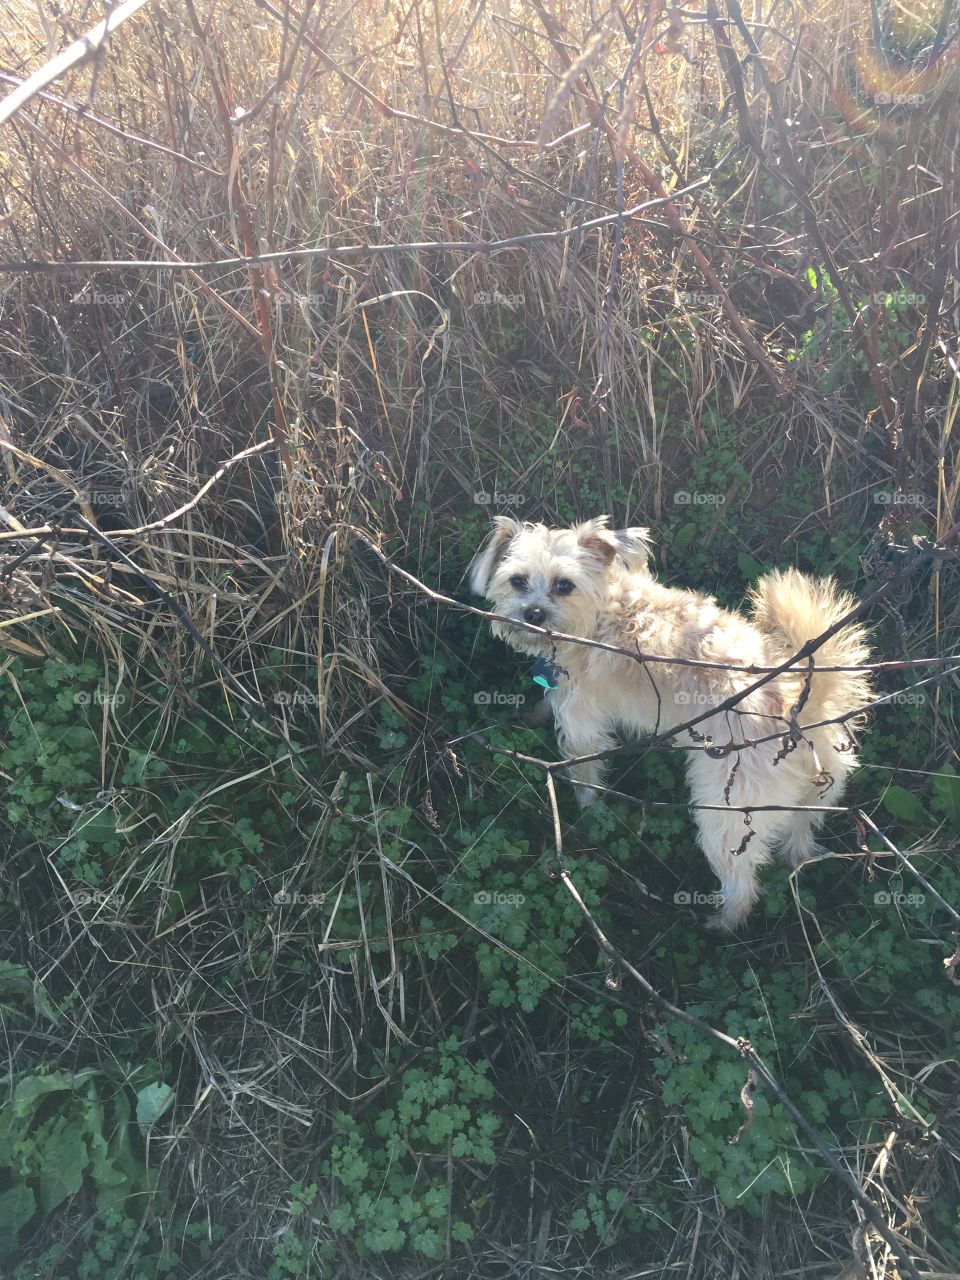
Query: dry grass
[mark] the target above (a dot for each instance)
(393, 393)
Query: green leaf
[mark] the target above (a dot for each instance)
(108, 1177)
(341, 1219)
(904, 804)
(178, 900)
(17, 1207)
(14, 980)
(749, 567)
(32, 1089)
(685, 535)
(43, 1004)
(946, 794)
(152, 1101)
(62, 1158)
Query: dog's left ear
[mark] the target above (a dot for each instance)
(505, 529)
(632, 545)
(635, 545)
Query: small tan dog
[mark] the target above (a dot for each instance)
(592, 582)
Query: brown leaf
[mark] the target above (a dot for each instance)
(746, 1097)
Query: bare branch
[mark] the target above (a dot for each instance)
(93, 42)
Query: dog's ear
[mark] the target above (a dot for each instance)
(635, 546)
(597, 539)
(505, 529)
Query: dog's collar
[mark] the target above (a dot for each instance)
(545, 673)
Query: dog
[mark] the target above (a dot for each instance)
(595, 583)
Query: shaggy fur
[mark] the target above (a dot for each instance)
(592, 582)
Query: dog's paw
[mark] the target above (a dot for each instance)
(719, 922)
(813, 851)
(586, 796)
(810, 852)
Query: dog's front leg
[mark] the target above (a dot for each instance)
(541, 712)
(582, 732)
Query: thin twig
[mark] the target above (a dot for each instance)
(89, 44)
(353, 250)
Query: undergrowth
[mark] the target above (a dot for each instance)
(296, 858)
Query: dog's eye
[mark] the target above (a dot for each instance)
(563, 586)
(518, 582)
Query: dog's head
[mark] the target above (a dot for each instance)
(554, 578)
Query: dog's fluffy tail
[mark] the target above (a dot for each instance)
(791, 609)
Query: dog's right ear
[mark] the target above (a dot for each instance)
(505, 529)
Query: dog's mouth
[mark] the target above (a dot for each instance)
(518, 637)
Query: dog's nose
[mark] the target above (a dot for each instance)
(534, 615)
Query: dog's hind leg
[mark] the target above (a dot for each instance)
(735, 851)
(737, 844)
(798, 840)
(798, 843)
